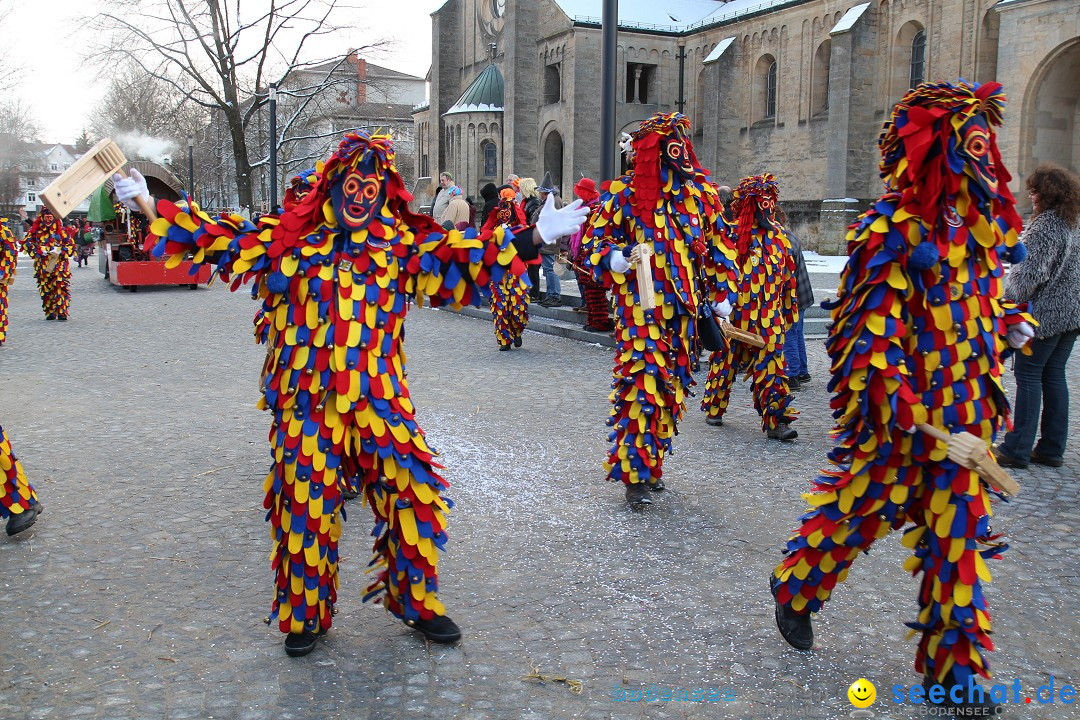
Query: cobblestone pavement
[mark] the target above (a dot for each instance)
(141, 591)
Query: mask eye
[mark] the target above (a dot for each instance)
(976, 144)
(352, 185)
(675, 151)
(371, 190)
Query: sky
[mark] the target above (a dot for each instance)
(50, 39)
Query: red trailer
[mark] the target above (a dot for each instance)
(121, 257)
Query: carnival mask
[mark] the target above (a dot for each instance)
(676, 155)
(974, 157)
(358, 197)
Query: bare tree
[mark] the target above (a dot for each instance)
(9, 68)
(18, 129)
(217, 55)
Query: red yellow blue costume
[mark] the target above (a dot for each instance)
(917, 337)
(336, 274)
(9, 258)
(765, 306)
(49, 236)
(18, 501)
(667, 203)
(509, 296)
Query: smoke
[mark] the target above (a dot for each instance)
(144, 147)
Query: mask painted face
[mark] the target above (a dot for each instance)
(974, 149)
(357, 197)
(675, 155)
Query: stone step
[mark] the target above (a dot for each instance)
(551, 321)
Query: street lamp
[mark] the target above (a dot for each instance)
(273, 146)
(191, 164)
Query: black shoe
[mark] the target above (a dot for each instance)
(347, 493)
(979, 706)
(439, 629)
(517, 341)
(716, 421)
(1040, 459)
(503, 348)
(550, 302)
(782, 432)
(796, 628)
(300, 644)
(657, 486)
(804, 378)
(637, 494)
(50, 317)
(17, 523)
(794, 385)
(62, 318)
(591, 328)
(1008, 461)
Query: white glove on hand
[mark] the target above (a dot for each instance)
(626, 142)
(617, 261)
(722, 310)
(130, 188)
(554, 224)
(1019, 335)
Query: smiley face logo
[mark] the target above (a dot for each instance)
(862, 693)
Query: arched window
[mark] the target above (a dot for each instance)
(553, 157)
(819, 88)
(491, 160)
(770, 92)
(917, 72)
(552, 91)
(765, 75)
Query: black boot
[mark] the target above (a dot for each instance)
(782, 432)
(17, 523)
(796, 628)
(439, 629)
(716, 421)
(637, 494)
(517, 341)
(504, 348)
(657, 486)
(979, 705)
(300, 644)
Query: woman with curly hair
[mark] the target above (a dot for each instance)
(1049, 281)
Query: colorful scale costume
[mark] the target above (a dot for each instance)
(766, 306)
(336, 274)
(510, 296)
(9, 258)
(917, 337)
(17, 495)
(665, 201)
(48, 234)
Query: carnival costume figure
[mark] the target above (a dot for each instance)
(766, 306)
(18, 501)
(336, 274)
(510, 295)
(666, 204)
(597, 307)
(9, 259)
(919, 330)
(51, 246)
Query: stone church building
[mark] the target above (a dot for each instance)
(799, 88)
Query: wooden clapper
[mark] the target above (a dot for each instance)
(86, 175)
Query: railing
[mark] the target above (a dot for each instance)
(714, 19)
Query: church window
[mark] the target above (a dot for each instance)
(491, 160)
(770, 92)
(819, 87)
(764, 88)
(552, 82)
(917, 73)
(639, 82)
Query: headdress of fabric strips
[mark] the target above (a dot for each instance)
(752, 204)
(357, 148)
(646, 140)
(934, 146)
(300, 185)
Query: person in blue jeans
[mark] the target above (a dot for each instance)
(798, 372)
(553, 290)
(1049, 280)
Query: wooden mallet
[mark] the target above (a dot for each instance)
(86, 175)
(641, 260)
(971, 452)
(744, 336)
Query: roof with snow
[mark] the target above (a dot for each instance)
(485, 94)
(670, 16)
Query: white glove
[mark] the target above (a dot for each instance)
(626, 143)
(1019, 335)
(617, 261)
(130, 188)
(554, 224)
(722, 310)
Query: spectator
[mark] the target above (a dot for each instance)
(795, 341)
(530, 207)
(457, 210)
(490, 194)
(472, 211)
(597, 309)
(1049, 280)
(442, 198)
(553, 296)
